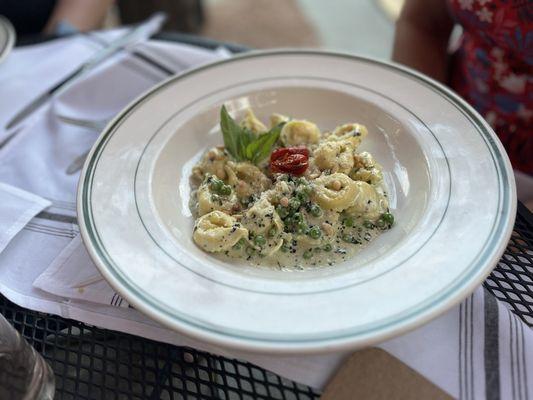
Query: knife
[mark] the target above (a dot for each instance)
(141, 32)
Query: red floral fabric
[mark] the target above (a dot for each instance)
(492, 69)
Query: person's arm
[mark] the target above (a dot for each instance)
(422, 35)
(84, 15)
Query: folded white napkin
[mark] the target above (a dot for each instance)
(73, 275)
(478, 349)
(17, 208)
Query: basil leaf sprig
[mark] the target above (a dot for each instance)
(242, 144)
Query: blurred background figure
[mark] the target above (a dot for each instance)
(31, 17)
(351, 25)
(490, 66)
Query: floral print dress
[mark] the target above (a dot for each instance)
(492, 69)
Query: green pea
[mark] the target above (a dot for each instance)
(388, 218)
(327, 247)
(297, 217)
(307, 189)
(302, 196)
(272, 231)
(301, 228)
(216, 185)
(347, 238)
(308, 254)
(237, 246)
(315, 232)
(225, 190)
(260, 240)
(250, 251)
(282, 211)
(348, 221)
(285, 248)
(315, 210)
(294, 204)
(368, 224)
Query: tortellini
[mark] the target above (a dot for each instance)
(367, 203)
(251, 122)
(313, 205)
(280, 189)
(299, 132)
(366, 169)
(218, 231)
(212, 163)
(354, 133)
(208, 201)
(276, 119)
(335, 156)
(247, 179)
(334, 192)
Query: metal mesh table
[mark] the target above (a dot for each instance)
(512, 279)
(93, 363)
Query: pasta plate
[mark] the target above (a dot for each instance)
(449, 182)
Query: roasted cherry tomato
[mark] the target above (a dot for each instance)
(289, 160)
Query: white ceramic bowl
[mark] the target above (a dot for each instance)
(450, 185)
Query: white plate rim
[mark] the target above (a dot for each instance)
(6, 25)
(445, 301)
